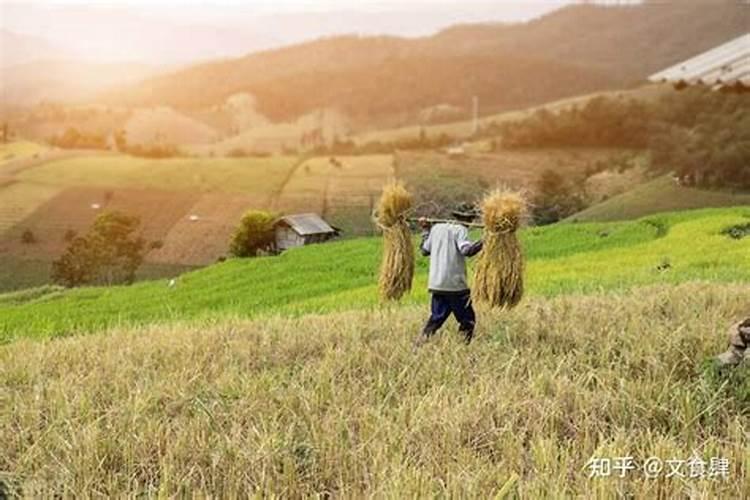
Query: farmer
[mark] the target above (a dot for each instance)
(739, 342)
(448, 244)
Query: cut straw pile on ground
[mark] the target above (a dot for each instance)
(340, 405)
(397, 267)
(498, 275)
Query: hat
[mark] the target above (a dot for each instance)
(465, 212)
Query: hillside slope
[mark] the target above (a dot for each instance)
(585, 47)
(659, 195)
(340, 405)
(55, 80)
(343, 275)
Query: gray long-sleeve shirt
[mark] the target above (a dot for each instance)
(448, 245)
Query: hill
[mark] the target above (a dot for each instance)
(190, 206)
(506, 66)
(663, 194)
(340, 405)
(342, 276)
(464, 129)
(65, 81)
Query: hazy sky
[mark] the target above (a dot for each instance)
(181, 31)
(281, 6)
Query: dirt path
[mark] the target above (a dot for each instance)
(275, 198)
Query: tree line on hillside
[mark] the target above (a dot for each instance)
(376, 79)
(700, 135)
(72, 138)
(421, 142)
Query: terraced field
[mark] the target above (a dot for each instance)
(76, 208)
(342, 189)
(514, 168)
(203, 235)
(18, 200)
(191, 205)
(305, 189)
(356, 179)
(19, 150)
(256, 176)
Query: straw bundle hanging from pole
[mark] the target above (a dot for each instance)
(397, 268)
(498, 275)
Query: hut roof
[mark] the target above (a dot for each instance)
(307, 224)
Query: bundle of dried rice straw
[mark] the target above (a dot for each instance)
(397, 268)
(498, 275)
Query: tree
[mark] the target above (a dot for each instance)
(255, 234)
(119, 253)
(554, 199)
(110, 253)
(77, 266)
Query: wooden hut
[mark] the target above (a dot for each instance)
(302, 229)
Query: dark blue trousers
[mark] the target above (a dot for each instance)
(458, 304)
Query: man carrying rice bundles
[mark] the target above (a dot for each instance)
(448, 245)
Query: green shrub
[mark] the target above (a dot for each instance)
(254, 235)
(109, 254)
(555, 198)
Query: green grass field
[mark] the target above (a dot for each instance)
(573, 258)
(21, 275)
(659, 195)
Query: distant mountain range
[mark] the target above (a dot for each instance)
(64, 80)
(168, 33)
(19, 49)
(574, 50)
(387, 79)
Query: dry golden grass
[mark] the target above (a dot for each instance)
(341, 404)
(498, 275)
(397, 266)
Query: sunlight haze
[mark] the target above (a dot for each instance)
(172, 32)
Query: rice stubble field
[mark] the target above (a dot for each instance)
(340, 404)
